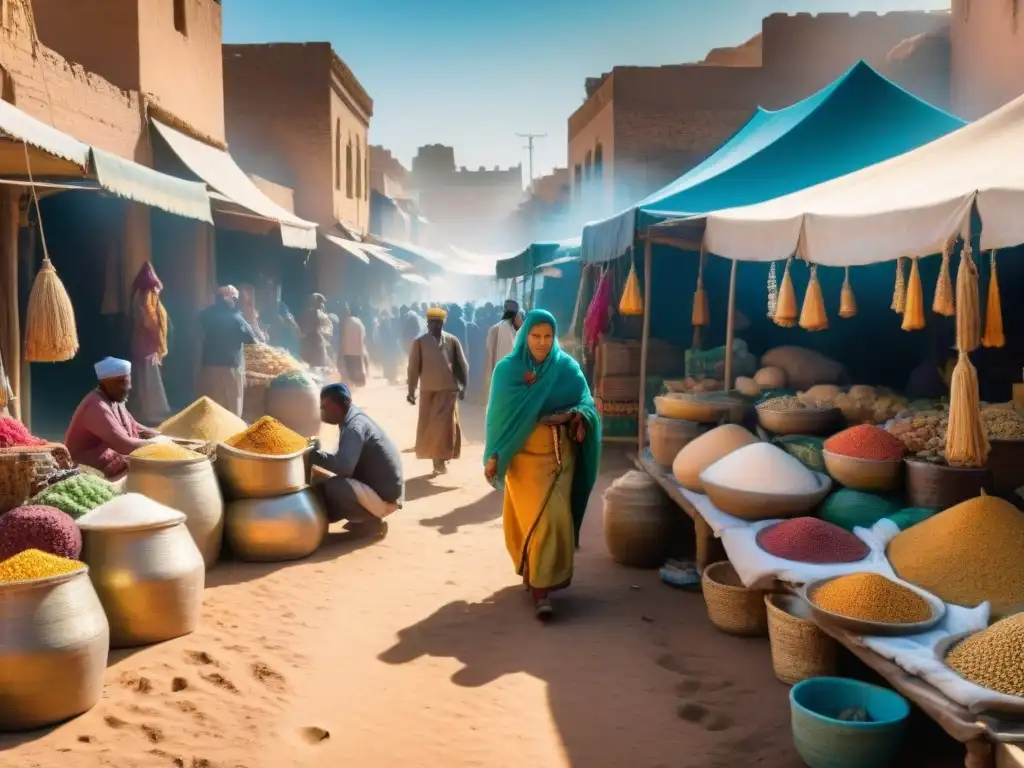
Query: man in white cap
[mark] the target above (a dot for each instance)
(222, 376)
(501, 337)
(102, 432)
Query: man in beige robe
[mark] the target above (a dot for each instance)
(437, 364)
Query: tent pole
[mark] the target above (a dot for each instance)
(644, 338)
(730, 327)
(533, 289)
(10, 301)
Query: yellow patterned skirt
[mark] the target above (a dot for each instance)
(537, 515)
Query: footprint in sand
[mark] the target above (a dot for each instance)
(697, 713)
(136, 683)
(199, 658)
(217, 679)
(86, 739)
(114, 722)
(679, 666)
(174, 760)
(688, 687)
(179, 684)
(313, 735)
(269, 677)
(153, 733)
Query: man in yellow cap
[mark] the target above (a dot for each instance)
(437, 364)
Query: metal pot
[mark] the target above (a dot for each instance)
(191, 488)
(149, 578)
(53, 650)
(270, 530)
(246, 475)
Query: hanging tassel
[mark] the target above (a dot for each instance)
(966, 443)
(631, 303)
(813, 316)
(773, 292)
(899, 294)
(786, 313)
(51, 335)
(847, 301)
(913, 312)
(994, 336)
(700, 316)
(943, 303)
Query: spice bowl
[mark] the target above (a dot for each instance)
(863, 474)
(703, 408)
(993, 700)
(755, 505)
(799, 421)
(245, 475)
(864, 627)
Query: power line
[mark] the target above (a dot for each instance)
(529, 147)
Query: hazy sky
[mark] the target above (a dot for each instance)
(473, 73)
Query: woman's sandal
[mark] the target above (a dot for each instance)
(543, 609)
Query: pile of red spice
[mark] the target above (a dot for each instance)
(13, 433)
(810, 540)
(866, 442)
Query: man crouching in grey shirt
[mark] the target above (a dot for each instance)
(368, 483)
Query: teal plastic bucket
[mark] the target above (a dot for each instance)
(824, 741)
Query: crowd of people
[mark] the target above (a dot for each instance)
(543, 432)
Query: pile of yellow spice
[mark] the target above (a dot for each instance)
(165, 452)
(203, 420)
(268, 437)
(32, 564)
(872, 597)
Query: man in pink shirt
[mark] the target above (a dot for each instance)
(102, 432)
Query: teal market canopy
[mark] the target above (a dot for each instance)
(859, 120)
(537, 256)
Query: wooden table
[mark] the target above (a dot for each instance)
(709, 547)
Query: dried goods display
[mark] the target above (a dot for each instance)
(993, 658)
(264, 360)
(871, 597)
(203, 420)
(268, 437)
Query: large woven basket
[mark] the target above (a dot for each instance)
(799, 648)
(618, 358)
(25, 468)
(733, 608)
(619, 388)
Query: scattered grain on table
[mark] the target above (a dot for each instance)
(14, 434)
(872, 597)
(762, 468)
(268, 437)
(702, 452)
(993, 658)
(966, 555)
(866, 442)
(810, 540)
(165, 452)
(39, 527)
(77, 495)
(203, 420)
(34, 564)
(128, 511)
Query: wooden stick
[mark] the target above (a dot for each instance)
(730, 327)
(644, 338)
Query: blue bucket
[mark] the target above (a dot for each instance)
(823, 741)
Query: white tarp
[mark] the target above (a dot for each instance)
(221, 172)
(910, 205)
(20, 126)
(349, 247)
(144, 185)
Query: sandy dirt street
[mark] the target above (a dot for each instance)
(421, 649)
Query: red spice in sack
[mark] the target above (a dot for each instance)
(866, 442)
(13, 434)
(810, 540)
(39, 527)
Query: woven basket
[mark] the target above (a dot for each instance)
(733, 608)
(669, 436)
(618, 358)
(24, 468)
(619, 388)
(799, 648)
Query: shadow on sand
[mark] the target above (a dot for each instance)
(483, 510)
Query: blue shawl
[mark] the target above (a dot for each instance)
(515, 406)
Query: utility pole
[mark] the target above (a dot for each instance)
(529, 148)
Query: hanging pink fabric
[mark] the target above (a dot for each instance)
(598, 316)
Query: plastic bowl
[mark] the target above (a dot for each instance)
(824, 741)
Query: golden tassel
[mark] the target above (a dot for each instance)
(700, 316)
(847, 301)
(632, 303)
(994, 336)
(813, 316)
(899, 294)
(913, 311)
(943, 303)
(786, 313)
(966, 442)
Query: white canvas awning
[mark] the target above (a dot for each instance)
(58, 153)
(217, 168)
(365, 251)
(144, 185)
(910, 205)
(348, 246)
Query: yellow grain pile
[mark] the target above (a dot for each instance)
(165, 452)
(203, 420)
(264, 360)
(994, 657)
(701, 453)
(871, 597)
(268, 437)
(36, 564)
(966, 555)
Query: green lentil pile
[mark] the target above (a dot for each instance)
(993, 658)
(871, 597)
(77, 495)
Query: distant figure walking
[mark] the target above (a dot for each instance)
(222, 376)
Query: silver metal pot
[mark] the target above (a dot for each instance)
(269, 530)
(246, 475)
(190, 487)
(149, 578)
(54, 640)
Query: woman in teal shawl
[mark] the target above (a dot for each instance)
(543, 447)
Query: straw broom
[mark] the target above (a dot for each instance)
(786, 313)
(813, 316)
(51, 335)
